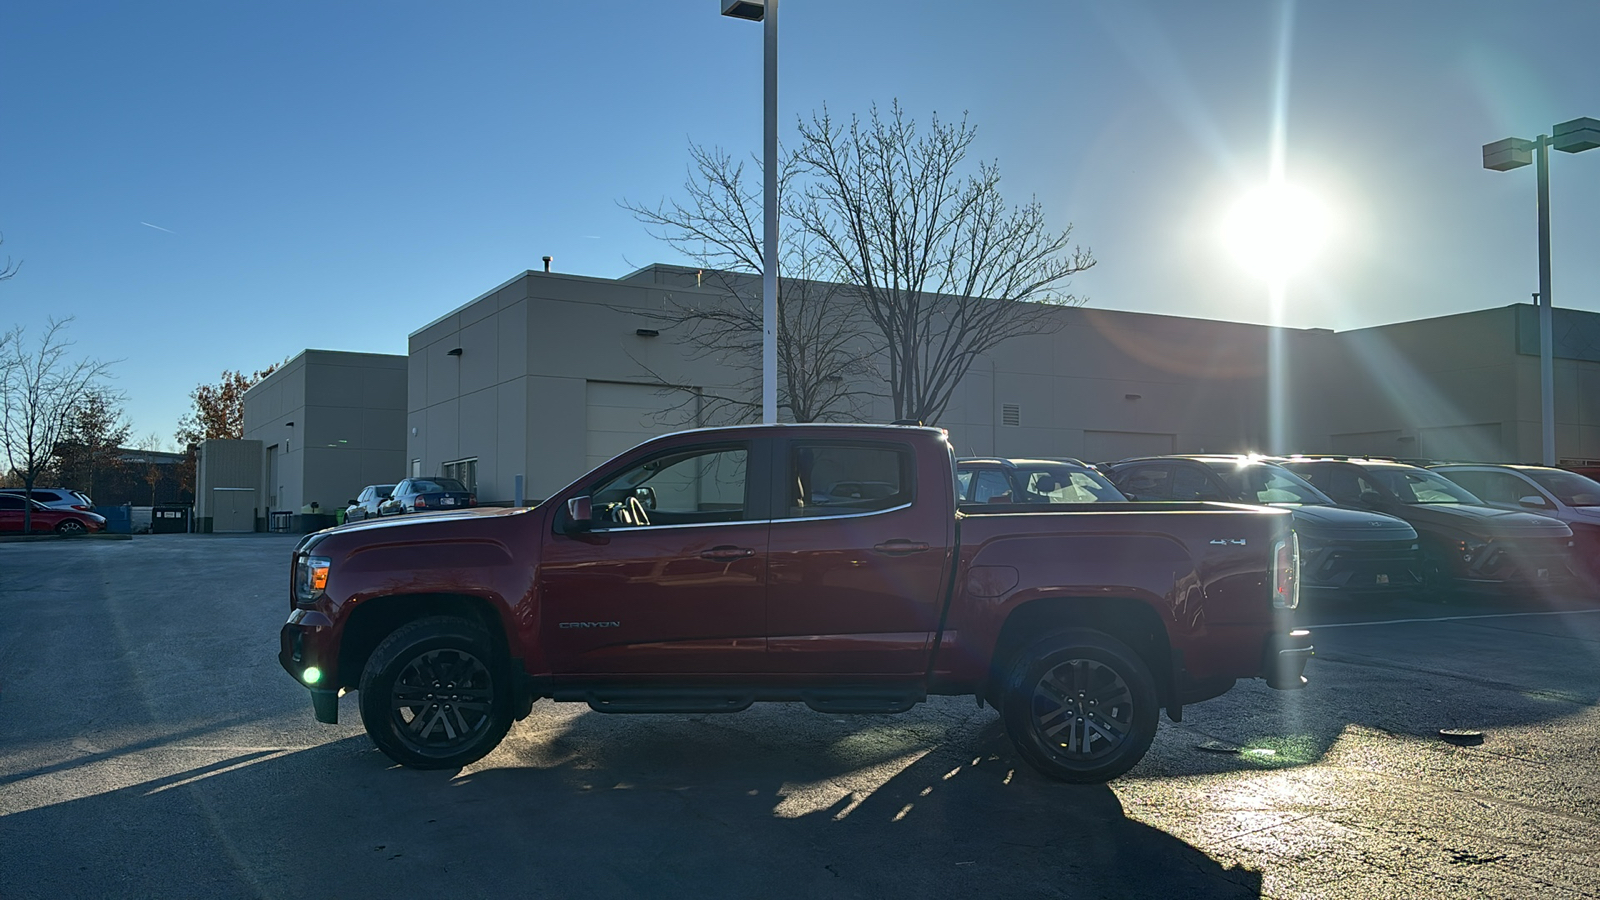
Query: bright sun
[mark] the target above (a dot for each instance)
(1275, 231)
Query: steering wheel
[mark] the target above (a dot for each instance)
(634, 512)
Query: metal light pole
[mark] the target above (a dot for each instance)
(766, 12)
(1514, 153)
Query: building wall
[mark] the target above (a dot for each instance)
(221, 463)
(517, 395)
(348, 427)
(552, 376)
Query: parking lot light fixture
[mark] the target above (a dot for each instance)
(766, 12)
(1574, 136)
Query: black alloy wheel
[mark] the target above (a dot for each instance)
(70, 528)
(433, 695)
(1080, 706)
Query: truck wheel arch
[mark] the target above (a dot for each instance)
(1129, 620)
(376, 618)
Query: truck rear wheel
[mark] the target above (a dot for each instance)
(433, 695)
(1080, 706)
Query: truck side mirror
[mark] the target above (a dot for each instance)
(1533, 501)
(581, 511)
(1369, 498)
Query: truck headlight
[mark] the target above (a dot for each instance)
(311, 579)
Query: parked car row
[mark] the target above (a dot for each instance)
(67, 520)
(1364, 526)
(409, 495)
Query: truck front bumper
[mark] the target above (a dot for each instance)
(1283, 660)
(302, 654)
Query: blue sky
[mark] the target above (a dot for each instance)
(220, 185)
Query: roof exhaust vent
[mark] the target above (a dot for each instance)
(547, 262)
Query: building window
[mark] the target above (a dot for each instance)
(416, 468)
(464, 471)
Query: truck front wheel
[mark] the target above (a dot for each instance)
(433, 695)
(1080, 706)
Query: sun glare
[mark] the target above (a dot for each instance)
(1277, 230)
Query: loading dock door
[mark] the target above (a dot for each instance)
(233, 510)
(624, 415)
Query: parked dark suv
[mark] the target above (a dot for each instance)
(1466, 544)
(996, 480)
(1343, 550)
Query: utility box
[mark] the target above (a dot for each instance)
(169, 520)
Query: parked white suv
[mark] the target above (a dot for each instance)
(56, 498)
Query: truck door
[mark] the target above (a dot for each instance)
(858, 552)
(671, 578)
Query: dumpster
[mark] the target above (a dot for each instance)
(170, 519)
(119, 519)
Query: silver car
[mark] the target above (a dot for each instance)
(56, 498)
(369, 504)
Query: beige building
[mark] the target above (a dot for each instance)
(329, 422)
(550, 374)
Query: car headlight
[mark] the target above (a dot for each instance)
(311, 579)
(1470, 548)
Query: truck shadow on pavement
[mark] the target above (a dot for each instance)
(600, 808)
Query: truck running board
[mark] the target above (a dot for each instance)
(677, 700)
(857, 701)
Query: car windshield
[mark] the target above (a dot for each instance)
(1269, 485)
(1065, 484)
(1569, 487)
(1422, 486)
(437, 485)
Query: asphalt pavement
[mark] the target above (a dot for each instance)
(150, 746)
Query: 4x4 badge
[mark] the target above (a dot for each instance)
(1223, 542)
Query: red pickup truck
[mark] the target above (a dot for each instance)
(826, 564)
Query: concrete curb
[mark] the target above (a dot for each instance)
(22, 538)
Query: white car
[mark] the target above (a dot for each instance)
(1557, 493)
(56, 498)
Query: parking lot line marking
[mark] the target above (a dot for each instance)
(1566, 612)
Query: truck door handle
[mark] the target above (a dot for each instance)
(900, 548)
(726, 552)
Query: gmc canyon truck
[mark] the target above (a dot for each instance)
(825, 564)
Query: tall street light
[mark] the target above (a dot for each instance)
(766, 12)
(1514, 153)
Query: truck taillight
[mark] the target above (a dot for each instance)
(472, 499)
(1286, 573)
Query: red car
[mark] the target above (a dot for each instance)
(65, 522)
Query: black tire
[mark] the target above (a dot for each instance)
(70, 528)
(1090, 677)
(434, 696)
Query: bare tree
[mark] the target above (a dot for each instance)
(823, 363)
(10, 268)
(39, 389)
(943, 268)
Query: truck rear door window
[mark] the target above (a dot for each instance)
(847, 479)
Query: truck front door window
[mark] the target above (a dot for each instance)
(701, 486)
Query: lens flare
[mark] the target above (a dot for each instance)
(1277, 230)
